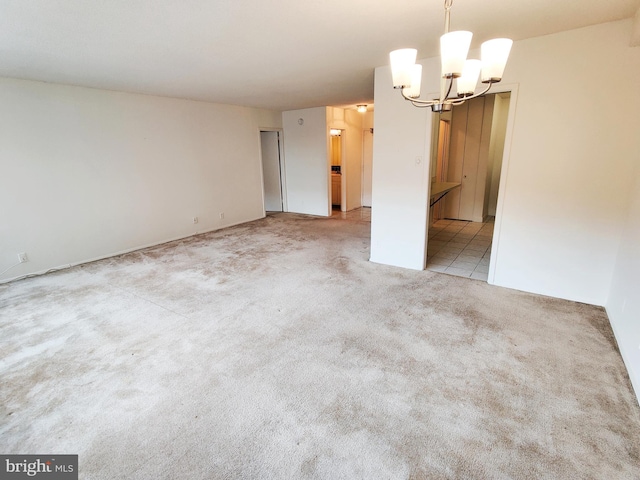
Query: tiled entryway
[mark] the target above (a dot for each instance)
(460, 248)
(362, 213)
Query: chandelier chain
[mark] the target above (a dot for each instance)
(454, 47)
(447, 15)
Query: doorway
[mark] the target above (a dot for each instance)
(272, 171)
(337, 171)
(469, 153)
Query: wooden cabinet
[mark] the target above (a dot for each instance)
(336, 189)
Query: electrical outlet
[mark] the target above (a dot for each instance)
(22, 257)
(221, 215)
(195, 219)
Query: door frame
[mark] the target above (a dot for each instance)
(343, 169)
(512, 88)
(283, 176)
(362, 165)
(504, 169)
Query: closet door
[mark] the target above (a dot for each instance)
(468, 153)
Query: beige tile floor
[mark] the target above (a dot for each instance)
(460, 248)
(362, 213)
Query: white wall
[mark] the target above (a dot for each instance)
(623, 305)
(567, 186)
(89, 173)
(400, 181)
(307, 162)
(306, 150)
(565, 183)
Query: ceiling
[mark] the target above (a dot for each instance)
(278, 54)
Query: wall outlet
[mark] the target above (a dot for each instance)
(22, 257)
(221, 215)
(195, 219)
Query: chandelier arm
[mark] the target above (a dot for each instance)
(445, 97)
(417, 102)
(419, 105)
(479, 94)
(403, 69)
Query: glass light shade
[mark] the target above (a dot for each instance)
(402, 62)
(467, 82)
(362, 108)
(454, 47)
(335, 132)
(416, 80)
(494, 54)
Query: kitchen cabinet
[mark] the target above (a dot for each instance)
(336, 189)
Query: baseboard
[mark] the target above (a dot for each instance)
(121, 252)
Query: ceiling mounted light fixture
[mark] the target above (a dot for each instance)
(454, 46)
(362, 108)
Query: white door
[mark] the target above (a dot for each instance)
(271, 171)
(367, 166)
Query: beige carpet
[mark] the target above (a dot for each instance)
(276, 350)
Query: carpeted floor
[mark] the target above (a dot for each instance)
(275, 350)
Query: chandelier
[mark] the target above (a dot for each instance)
(454, 47)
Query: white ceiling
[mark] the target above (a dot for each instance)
(280, 54)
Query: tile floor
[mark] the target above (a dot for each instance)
(460, 248)
(362, 213)
(455, 247)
